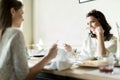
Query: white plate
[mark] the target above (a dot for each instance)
(91, 63)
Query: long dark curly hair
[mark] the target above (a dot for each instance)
(102, 20)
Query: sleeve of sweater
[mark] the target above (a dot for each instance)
(111, 46)
(19, 56)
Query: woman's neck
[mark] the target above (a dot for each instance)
(0, 34)
(14, 26)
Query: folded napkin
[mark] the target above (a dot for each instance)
(60, 62)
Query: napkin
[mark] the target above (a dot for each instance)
(60, 62)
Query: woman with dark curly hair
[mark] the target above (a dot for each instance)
(100, 41)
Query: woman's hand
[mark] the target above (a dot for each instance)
(68, 48)
(39, 66)
(52, 52)
(99, 31)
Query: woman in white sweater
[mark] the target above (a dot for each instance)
(100, 41)
(13, 59)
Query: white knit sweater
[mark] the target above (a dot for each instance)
(13, 59)
(89, 49)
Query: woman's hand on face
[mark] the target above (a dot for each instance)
(68, 48)
(53, 51)
(99, 30)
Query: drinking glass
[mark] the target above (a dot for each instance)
(107, 64)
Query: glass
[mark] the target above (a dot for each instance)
(118, 42)
(107, 64)
(117, 56)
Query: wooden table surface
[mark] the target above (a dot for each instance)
(78, 73)
(75, 72)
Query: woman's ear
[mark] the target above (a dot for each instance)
(12, 10)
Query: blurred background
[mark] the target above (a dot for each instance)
(47, 21)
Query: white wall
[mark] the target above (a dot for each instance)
(28, 22)
(65, 20)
